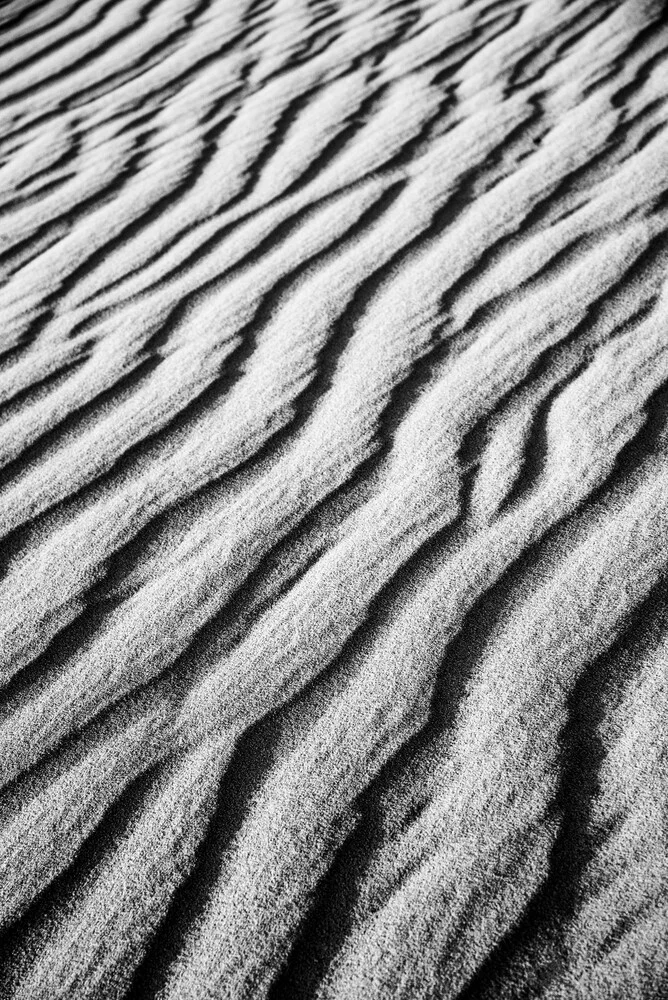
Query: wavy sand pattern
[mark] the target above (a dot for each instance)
(334, 499)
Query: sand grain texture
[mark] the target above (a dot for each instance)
(333, 500)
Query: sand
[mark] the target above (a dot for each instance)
(333, 500)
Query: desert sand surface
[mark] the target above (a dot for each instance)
(334, 500)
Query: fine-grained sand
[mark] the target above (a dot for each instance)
(333, 500)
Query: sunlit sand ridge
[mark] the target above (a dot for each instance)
(333, 500)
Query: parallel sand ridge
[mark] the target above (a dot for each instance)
(334, 499)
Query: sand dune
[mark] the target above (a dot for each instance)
(333, 499)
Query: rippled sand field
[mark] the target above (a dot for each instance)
(334, 500)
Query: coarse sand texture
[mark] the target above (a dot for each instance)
(333, 500)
